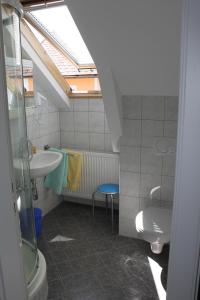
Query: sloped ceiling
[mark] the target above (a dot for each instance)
(138, 40)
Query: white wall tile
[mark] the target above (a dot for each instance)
(150, 186)
(67, 139)
(42, 141)
(96, 122)
(97, 142)
(67, 121)
(43, 127)
(82, 140)
(43, 124)
(33, 128)
(108, 142)
(157, 116)
(164, 144)
(131, 133)
(70, 108)
(54, 139)
(147, 202)
(96, 105)
(171, 108)
(129, 183)
(88, 117)
(169, 163)
(153, 108)
(150, 162)
(51, 107)
(106, 127)
(128, 210)
(81, 105)
(53, 122)
(166, 204)
(128, 206)
(29, 121)
(127, 227)
(81, 121)
(130, 159)
(132, 107)
(148, 141)
(35, 142)
(152, 128)
(173, 144)
(170, 129)
(167, 189)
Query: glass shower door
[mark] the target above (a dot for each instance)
(17, 122)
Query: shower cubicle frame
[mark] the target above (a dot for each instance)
(12, 279)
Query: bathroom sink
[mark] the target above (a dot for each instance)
(44, 162)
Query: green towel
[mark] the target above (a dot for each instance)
(57, 179)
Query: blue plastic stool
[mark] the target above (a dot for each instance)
(109, 189)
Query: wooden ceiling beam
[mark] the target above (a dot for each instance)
(38, 2)
(32, 40)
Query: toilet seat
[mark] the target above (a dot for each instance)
(153, 225)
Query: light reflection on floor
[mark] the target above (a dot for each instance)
(156, 272)
(60, 238)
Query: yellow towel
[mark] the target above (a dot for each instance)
(75, 160)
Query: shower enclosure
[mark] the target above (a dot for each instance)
(20, 150)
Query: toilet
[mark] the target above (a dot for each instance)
(153, 225)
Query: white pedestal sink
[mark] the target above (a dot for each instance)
(44, 162)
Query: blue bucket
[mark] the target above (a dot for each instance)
(38, 221)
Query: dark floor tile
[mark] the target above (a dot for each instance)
(58, 256)
(91, 262)
(113, 293)
(80, 282)
(48, 258)
(52, 272)
(56, 289)
(64, 269)
(96, 264)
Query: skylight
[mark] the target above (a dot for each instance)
(60, 24)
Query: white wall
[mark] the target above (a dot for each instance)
(147, 121)
(138, 40)
(84, 126)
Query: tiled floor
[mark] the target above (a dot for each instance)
(94, 264)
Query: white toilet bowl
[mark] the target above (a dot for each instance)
(153, 225)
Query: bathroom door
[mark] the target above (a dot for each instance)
(18, 133)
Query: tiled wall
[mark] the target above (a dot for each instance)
(43, 128)
(43, 125)
(146, 173)
(84, 126)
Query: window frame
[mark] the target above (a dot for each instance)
(47, 60)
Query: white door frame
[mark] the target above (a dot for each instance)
(12, 280)
(185, 239)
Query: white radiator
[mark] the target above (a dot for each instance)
(97, 168)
